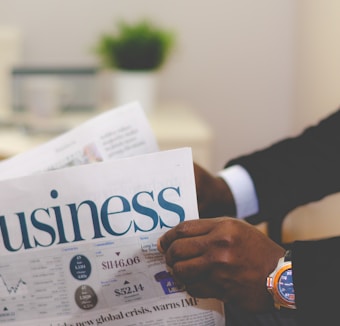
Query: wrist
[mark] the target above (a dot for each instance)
(226, 200)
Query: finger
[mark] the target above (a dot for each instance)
(207, 290)
(185, 248)
(183, 230)
(192, 270)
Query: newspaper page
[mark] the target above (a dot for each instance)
(121, 132)
(78, 245)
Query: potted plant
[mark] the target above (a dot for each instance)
(135, 52)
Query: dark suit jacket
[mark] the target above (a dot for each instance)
(291, 173)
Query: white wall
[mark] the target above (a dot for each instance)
(317, 94)
(234, 62)
(318, 57)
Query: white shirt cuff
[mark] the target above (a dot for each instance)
(243, 190)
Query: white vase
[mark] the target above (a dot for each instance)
(141, 86)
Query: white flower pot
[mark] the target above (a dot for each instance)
(141, 86)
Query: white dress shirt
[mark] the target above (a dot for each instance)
(243, 190)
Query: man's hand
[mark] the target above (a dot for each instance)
(223, 258)
(213, 195)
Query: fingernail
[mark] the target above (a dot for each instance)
(159, 246)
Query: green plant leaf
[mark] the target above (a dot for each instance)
(140, 46)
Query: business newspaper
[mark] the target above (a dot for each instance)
(78, 244)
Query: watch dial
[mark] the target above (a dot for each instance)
(286, 288)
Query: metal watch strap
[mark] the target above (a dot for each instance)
(288, 255)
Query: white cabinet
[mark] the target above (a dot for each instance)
(180, 126)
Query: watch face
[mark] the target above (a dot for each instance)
(285, 286)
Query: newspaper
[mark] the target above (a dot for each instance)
(78, 244)
(117, 133)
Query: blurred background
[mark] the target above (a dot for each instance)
(253, 71)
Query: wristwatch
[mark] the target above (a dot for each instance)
(280, 283)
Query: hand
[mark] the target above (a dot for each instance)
(223, 258)
(213, 195)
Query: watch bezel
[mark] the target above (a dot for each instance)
(284, 269)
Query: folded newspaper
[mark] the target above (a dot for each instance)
(78, 241)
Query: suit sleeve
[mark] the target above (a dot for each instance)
(316, 270)
(297, 170)
(291, 173)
